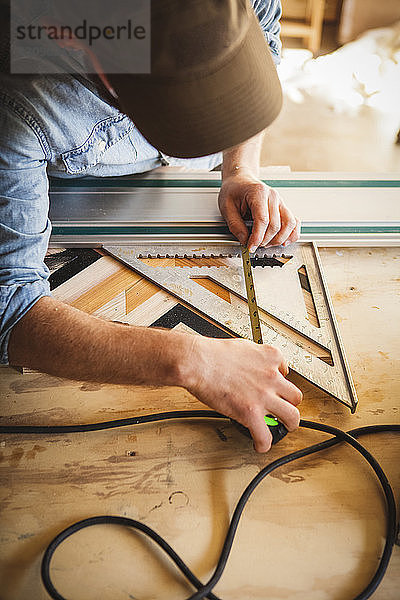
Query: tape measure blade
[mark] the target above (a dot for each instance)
(251, 296)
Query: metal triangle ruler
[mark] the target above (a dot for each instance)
(315, 352)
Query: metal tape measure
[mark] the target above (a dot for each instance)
(251, 297)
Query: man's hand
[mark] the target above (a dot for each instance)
(244, 381)
(239, 378)
(243, 195)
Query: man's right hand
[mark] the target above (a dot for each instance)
(236, 377)
(244, 381)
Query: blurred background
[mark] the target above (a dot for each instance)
(340, 74)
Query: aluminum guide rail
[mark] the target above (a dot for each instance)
(183, 206)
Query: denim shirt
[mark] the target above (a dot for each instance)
(64, 126)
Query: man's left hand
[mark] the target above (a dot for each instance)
(244, 196)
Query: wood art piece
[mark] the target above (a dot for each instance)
(64, 263)
(182, 318)
(108, 289)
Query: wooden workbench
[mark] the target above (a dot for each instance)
(312, 531)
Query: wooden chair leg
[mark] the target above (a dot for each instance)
(309, 10)
(315, 9)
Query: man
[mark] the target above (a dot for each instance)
(71, 125)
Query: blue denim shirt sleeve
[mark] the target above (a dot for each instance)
(269, 13)
(24, 225)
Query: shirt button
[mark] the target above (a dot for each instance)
(101, 145)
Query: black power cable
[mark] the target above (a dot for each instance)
(205, 590)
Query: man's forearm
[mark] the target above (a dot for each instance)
(63, 341)
(245, 157)
(58, 339)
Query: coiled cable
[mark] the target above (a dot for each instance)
(204, 590)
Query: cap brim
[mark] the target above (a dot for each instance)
(211, 113)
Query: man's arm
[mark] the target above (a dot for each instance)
(242, 193)
(61, 340)
(241, 379)
(24, 224)
(246, 157)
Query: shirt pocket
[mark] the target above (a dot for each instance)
(104, 135)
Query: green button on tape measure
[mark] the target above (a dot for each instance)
(271, 421)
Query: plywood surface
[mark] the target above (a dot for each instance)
(312, 531)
